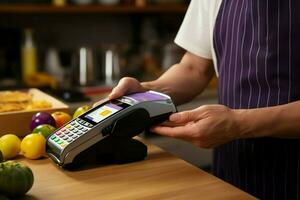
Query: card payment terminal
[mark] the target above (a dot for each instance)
(121, 118)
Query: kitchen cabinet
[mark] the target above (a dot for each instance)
(75, 9)
(135, 30)
(88, 17)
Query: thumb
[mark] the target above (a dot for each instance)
(115, 93)
(126, 85)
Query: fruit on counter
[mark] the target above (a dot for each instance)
(16, 179)
(41, 118)
(10, 146)
(61, 118)
(44, 129)
(81, 110)
(33, 146)
(1, 158)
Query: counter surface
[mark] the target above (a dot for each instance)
(159, 176)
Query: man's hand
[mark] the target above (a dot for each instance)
(125, 86)
(207, 126)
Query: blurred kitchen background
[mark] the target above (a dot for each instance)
(77, 50)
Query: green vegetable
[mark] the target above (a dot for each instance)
(15, 179)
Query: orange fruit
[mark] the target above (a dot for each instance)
(61, 118)
(9, 146)
(33, 146)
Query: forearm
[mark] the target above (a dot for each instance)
(185, 80)
(278, 121)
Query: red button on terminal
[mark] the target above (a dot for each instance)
(58, 133)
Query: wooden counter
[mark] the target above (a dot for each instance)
(159, 176)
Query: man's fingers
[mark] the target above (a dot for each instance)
(119, 90)
(171, 124)
(185, 117)
(100, 102)
(126, 85)
(181, 132)
(115, 93)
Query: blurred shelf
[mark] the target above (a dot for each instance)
(76, 9)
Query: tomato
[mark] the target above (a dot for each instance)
(61, 118)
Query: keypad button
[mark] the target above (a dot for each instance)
(69, 140)
(75, 131)
(79, 133)
(56, 139)
(74, 136)
(80, 128)
(71, 128)
(85, 129)
(53, 137)
(80, 121)
(58, 133)
(65, 137)
(73, 123)
(90, 125)
(68, 126)
(70, 134)
(76, 125)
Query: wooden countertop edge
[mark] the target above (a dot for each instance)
(184, 179)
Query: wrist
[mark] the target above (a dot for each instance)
(248, 124)
(156, 86)
(260, 122)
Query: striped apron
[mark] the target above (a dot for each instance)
(257, 45)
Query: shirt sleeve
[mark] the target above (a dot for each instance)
(194, 33)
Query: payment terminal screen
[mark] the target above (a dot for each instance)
(103, 112)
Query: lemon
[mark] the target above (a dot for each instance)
(33, 146)
(9, 146)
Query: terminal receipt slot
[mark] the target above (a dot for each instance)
(106, 131)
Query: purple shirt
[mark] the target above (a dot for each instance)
(257, 43)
